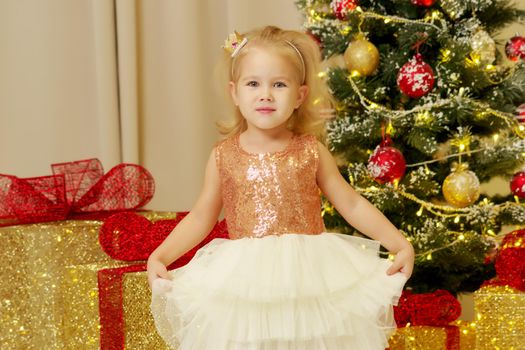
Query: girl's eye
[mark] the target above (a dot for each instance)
(280, 84)
(252, 83)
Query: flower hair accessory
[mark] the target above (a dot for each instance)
(234, 43)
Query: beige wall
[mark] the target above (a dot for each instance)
(59, 92)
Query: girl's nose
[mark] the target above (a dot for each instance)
(266, 95)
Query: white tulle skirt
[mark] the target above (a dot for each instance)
(293, 291)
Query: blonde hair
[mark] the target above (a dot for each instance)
(305, 119)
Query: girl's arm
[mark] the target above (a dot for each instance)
(193, 228)
(361, 214)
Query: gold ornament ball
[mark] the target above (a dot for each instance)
(461, 188)
(483, 44)
(361, 56)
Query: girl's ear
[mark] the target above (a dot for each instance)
(233, 92)
(301, 96)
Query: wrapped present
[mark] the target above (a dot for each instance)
(124, 296)
(75, 189)
(107, 307)
(500, 317)
(458, 335)
(34, 258)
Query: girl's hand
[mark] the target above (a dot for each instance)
(403, 262)
(156, 269)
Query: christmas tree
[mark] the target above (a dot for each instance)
(426, 110)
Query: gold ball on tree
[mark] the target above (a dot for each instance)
(361, 56)
(461, 188)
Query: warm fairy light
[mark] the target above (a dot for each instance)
(490, 232)
(423, 117)
(420, 211)
(456, 219)
(374, 105)
(345, 30)
(359, 9)
(321, 74)
(495, 137)
(462, 147)
(390, 128)
(521, 127)
(355, 74)
(489, 67)
(387, 20)
(461, 237)
(445, 55)
(429, 256)
(473, 60)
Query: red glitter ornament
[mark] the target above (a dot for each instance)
(520, 113)
(517, 184)
(416, 77)
(341, 8)
(515, 48)
(424, 3)
(387, 163)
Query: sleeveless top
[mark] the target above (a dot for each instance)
(270, 193)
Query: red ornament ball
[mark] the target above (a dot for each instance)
(520, 113)
(424, 3)
(342, 7)
(515, 48)
(387, 163)
(517, 184)
(416, 77)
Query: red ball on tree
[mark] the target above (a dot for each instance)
(520, 113)
(515, 48)
(517, 184)
(416, 77)
(387, 163)
(342, 7)
(424, 3)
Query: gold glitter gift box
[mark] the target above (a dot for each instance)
(35, 258)
(108, 308)
(458, 335)
(500, 318)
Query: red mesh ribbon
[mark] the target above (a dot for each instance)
(110, 281)
(510, 262)
(438, 308)
(78, 187)
(131, 237)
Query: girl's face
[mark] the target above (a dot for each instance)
(267, 91)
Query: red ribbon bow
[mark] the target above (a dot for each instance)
(510, 262)
(78, 187)
(438, 308)
(130, 237)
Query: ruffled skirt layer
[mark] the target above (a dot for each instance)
(293, 291)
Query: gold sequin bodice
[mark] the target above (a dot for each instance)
(270, 193)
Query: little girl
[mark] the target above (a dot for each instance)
(280, 281)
